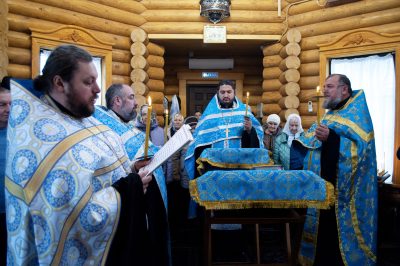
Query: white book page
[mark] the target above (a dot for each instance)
(182, 137)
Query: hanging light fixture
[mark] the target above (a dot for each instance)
(215, 10)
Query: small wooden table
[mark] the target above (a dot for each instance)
(287, 217)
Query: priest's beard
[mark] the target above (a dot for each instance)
(78, 106)
(225, 105)
(331, 104)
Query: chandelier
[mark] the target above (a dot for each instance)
(215, 10)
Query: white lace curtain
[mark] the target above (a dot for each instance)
(375, 74)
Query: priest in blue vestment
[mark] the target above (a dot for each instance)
(224, 124)
(341, 149)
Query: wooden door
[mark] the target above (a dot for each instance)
(198, 97)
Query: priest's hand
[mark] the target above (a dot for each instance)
(322, 132)
(247, 124)
(136, 166)
(145, 179)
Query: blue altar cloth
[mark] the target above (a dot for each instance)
(242, 189)
(234, 158)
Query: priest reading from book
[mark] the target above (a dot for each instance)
(224, 124)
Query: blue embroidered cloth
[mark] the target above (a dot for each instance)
(220, 128)
(243, 189)
(356, 202)
(133, 140)
(233, 158)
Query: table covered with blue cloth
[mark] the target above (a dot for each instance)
(242, 189)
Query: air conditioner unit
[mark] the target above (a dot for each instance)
(195, 63)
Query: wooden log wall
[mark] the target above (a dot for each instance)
(318, 24)
(148, 69)
(111, 21)
(182, 17)
(3, 39)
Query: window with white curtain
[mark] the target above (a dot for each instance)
(45, 53)
(375, 74)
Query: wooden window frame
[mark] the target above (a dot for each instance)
(70, 34)
(365, 42)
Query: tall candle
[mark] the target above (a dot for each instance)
(318, 111)
(166, 125)
(146, 142)
(247, 102)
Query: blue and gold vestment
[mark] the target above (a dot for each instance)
(133, 140)
(61, 207)
(220, 128)
(356, 184)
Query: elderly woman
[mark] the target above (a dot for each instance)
(271, 131)
(156, 132)
(284, 152)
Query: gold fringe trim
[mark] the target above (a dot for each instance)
(247, 204)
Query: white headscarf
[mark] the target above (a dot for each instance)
(286, 129)
(274, 118)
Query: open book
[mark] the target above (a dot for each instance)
(182, 137)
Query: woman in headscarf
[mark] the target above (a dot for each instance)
(271, 131)
(156, 132)
(284, 153)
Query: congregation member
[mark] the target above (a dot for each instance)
(177, 180)
(342, 151)
(156, 132)
(272, 130)
(284, 153)
(5, 103)
(57, 152)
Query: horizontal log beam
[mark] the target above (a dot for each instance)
(122, 69)
(156, 73)
(350, 23)
(97, 10)
(197, 28)
(155, 85)
(271, 97)
(156, 61)
(121, 79)
(19, 39)
(338, 12)
(309, 56)
(67, 17)
(122, 56)
(310, 82)
(272, 49)
(311, 69)
(271, 60)
(155, 49)
(272, 73)
(271, 108)
(129, 6)
(19, 56)
(19, 71)
(23, 24)
(194, 4)
(271, 85)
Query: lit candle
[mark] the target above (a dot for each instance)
(318, 111)
(247, 102)
(166, 125)
(146, 142)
